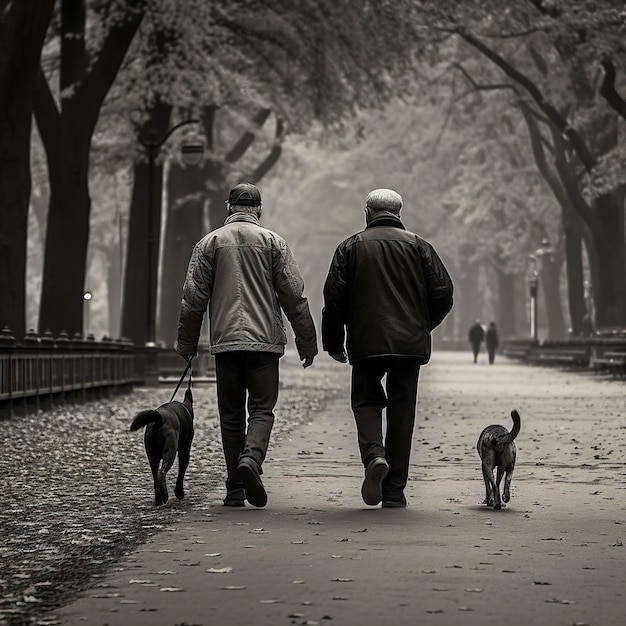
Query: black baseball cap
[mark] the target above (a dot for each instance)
(245, 194)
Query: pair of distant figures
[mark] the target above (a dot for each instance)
(477, 334)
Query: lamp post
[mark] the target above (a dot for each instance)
(87, 297)
(192, 154)
(533, 282)
(544, 251)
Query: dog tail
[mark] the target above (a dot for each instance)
(517, 422)
(143, 418)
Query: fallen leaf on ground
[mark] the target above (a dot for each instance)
(219, 570)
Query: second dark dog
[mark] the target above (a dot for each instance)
(497, 450)
(169, 429)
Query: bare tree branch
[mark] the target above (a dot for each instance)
(608, 91)
(561, 124)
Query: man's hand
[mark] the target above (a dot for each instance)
(307, 362)
(342, 357)
(186, 355)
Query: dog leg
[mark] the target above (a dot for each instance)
(183, 463)
(160, 489)
(154, 461)
(506, 496)
(161, 486)
(499, 475)
(489, 483)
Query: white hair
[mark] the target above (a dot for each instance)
(384, 200)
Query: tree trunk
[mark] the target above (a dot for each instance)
(184, 227)
(66, 132)
(506, 318)
(22, 30)
(142, 250)
(67, 237)
(575, 274)
(608, 272)
(114, 291)
(550, 280)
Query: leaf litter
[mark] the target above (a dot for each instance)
(60, 533)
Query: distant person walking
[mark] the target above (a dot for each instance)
(491, 341)
(245, 275)
(385, 291)
(476, 335)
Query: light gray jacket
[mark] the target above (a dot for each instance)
(244, 274)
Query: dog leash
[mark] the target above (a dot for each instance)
(187, 369)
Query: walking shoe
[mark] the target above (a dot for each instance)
(250, 475)
(372, 491)
(235, 497)
(394, 504)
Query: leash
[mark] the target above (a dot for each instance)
(187, 369)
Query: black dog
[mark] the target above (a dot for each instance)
(496, 449)
(169, 429)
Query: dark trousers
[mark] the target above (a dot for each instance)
(238, 374)
(491, 351)
(399, 397)
(475, 350)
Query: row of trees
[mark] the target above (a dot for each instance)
(513, 134)
(553, 70)
(527, 136)
(113, 70)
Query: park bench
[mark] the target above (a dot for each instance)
(518, 348)
(611, 361)
(573, 356)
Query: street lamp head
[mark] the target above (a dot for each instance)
(87, 296)
(192, 152)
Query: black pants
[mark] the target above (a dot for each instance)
(475, 350)
(255, 374)
(399, 397)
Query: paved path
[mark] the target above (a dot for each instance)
(317, 555)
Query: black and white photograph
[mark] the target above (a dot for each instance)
(312, 312)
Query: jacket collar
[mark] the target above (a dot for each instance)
(243, 217)
(386, 220)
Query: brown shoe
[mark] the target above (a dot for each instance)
(371, 490)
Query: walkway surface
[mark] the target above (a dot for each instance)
(317, 555)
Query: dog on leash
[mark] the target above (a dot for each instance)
(169, 429)
(496, 449)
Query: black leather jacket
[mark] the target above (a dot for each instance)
(387, 288)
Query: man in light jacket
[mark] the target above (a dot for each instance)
(245, 274)
(387, 289)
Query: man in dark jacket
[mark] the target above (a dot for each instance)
(245, 275)
(491, 341)
(387, 289)
(476, 335)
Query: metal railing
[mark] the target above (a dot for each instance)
(39, 372)
(44, 370)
